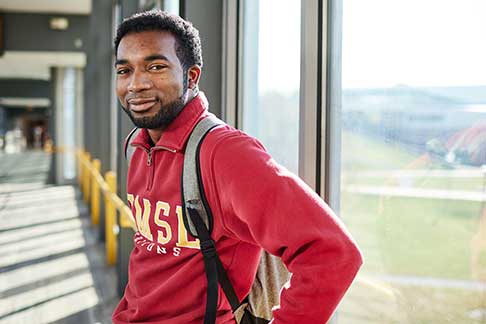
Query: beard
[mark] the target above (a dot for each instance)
(166, 113)
(162, 118)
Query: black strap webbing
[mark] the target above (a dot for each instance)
(227, 287)
(210, 265)
(215, 271)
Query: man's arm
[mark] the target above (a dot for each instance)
(265, 204)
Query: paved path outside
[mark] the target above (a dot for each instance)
(411, 192)
(52, 266)
(468, 285)
(420, 173)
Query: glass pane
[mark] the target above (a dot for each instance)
(413, 173)
(172, 6)
(271, 76)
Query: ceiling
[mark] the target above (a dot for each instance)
(25, 102)
(81, 7)
(36, 65)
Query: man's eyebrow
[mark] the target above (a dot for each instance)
(156, 57)
(121, 61)
(147, 59)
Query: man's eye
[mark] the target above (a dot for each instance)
(157, 67)
(122, 71)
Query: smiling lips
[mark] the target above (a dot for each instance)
(140, 105)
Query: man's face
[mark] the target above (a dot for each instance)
(150, 81)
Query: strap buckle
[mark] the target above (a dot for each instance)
(208, 248)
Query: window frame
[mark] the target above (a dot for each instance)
(312, 83)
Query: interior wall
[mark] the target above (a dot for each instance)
(31, 32)
(24, 88)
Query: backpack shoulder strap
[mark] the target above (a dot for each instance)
(192, 187)
(129, 149)
(198, 220)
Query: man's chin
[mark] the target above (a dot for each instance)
(149, 123)
(156, 121)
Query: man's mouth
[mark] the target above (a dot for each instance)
(140, 105)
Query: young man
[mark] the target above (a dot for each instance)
(256, 203)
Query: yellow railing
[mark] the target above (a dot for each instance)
(92, 183)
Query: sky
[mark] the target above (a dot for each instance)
(414, 42)
(279, 45)
(385, 43)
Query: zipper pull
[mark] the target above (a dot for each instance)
(149, 159)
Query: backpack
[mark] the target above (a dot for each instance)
(271, 275)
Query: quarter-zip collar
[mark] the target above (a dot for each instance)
(175, 136)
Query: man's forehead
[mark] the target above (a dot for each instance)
(152, 41)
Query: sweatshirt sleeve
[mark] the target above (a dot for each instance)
(266, 205)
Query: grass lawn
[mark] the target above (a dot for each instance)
(411, 305)
(412, 236)
(416, 237)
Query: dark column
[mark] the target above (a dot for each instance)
(97, 89)
(97, 83)
(51, 129)
(207, 17)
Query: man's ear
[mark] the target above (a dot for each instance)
(193, 75)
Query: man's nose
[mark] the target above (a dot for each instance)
(139, 82)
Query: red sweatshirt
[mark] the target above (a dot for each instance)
(256, 204)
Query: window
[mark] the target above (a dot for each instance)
(271, 76)
(171, 6)
(413, 159)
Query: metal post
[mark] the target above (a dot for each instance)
(87, 162)
(80, 167)
(95, 194)
(110, 220)
(82, 158)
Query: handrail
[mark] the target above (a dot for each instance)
(91, 183)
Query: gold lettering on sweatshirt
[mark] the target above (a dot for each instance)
(130, 199)
(163, 208)
(183, 239)
(142, 218)
(161, 216)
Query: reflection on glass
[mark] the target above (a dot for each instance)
(413, 180)
(271, 76)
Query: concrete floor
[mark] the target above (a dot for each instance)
(52, 265)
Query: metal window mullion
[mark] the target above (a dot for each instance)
(331, 114)
(246, 93)
(114, 109)
(331, 163)
(230, 62)
(309, 102)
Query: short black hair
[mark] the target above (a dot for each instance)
(188, 48)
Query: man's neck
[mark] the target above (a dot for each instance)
(155, 135)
